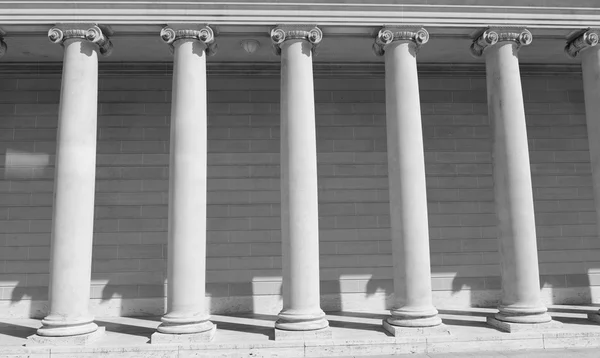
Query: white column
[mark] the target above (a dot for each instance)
(586, 43)
(520, 301)
(406, 166)
(3, 46)
(74, 183)
(299, 204)
(187, 319)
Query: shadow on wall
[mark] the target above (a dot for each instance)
(22, 165)
(38, 297)
(557, 286)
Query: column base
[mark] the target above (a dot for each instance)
(184, 338)
(594, 317)
(317, 334)
(78, 340)
(184, 325)
(398, 331)
(523, 315)
(290, 320)
(402, 317)
(512, 327)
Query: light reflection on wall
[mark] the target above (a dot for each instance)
(19, 164)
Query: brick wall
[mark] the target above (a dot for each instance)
(244, 260)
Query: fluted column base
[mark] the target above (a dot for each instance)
(66, 340)
(176, 324)
(414, 317)
(290, 320)
(56, 326)
(525, 315)
(176, 329)
(399, 331)
(201, 337)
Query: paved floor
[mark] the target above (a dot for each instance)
(355, 334)
(546, 353)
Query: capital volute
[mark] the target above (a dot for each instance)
(581, 40)
(203, 33)
(281, 33)
(492, 36)
(387, 35)
(91, 32)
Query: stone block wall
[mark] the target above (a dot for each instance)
(244, 259)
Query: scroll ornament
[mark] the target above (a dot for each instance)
(387, 35)
(60, 34)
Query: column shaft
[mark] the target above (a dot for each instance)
(73, 216)
(591, 85)
(513, 191)
(299, 203)
(186, 311)
(408, 197)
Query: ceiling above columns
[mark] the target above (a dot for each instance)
(349, 26)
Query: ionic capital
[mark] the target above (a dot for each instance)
(581, 40)
(491, 36)
(203, 33)
(281, 33)
(387, 35)
(91, 32)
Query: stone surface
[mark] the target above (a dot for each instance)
(524, 327)
(243, 227)
(72, 225)
(190, 338)
(318, 334)
(353, 334)
(590, 66)
(79, 340)
(397, 331)
(513, 191)
(186, 261)
(407, 186)
(299, 191)
(595, 317)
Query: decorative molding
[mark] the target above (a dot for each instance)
(91, 32)
(581, 40)
(273, 69)
(281, 33)
(461, 13)
(417, 35)
(491, 36)
(202, 33)
(3, 46)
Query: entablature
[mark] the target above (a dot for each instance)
(338, 13)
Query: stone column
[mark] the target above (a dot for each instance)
(3, 46)
(69, 320)
(187, 319)
(301, 316)
(413, 306)
(586, 43)
(520, 305)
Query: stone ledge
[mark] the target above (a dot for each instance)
(79, 340)
(399, 332)
(319, 334)
(189, 338)
(511, 327)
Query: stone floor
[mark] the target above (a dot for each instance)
(530, 353)
(354, 334)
